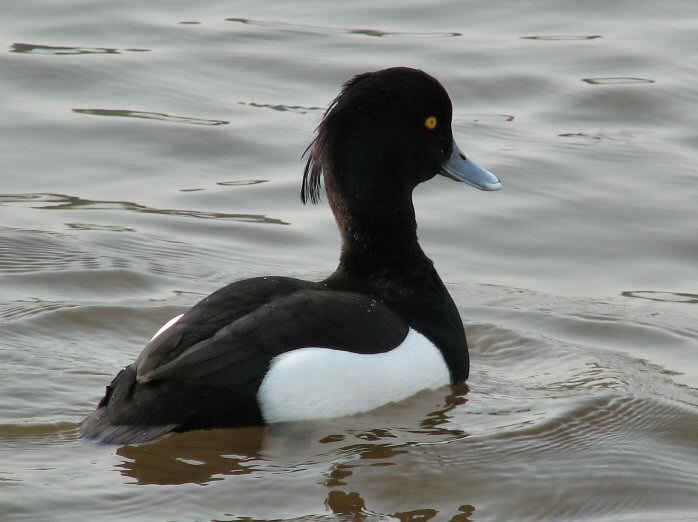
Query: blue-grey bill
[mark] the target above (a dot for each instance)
(460, 168)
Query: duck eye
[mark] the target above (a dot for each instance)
(430, 122)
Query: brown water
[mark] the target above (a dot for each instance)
(151, 153)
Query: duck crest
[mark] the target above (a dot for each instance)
(312, 173)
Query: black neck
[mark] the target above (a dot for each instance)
(381, 243)
(378, 231)
(381, 257)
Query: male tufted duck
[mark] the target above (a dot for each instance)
(379, 329)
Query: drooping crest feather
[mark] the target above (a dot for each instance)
(316, 152)
(310, 189)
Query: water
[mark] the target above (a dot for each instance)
(151, 153)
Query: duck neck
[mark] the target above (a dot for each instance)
(379, 239)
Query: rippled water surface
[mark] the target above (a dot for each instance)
(151, 153)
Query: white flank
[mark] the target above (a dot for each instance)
(315, 383)
(166, 326)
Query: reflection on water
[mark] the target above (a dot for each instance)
(241, 182)
(197, 457)
(96, 226)
(337, 30)
(44, 434)
(55, 50)
(477, 118)
(618, 80)
(332, 450)
(353, 505)
(150, 116)
(284, 108)
(207, 455)
(586, 138)
(563, 37)
(663, 297)
(66, 202)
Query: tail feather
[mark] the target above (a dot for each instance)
(97, 426)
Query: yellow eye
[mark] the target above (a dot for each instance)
(430, 122)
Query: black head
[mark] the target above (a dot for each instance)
(386, 132)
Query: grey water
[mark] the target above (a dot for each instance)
(151, 152)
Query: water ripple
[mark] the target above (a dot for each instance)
(52, 50)
(616, 80)
(493, 118)
(121, 113)
(31, 250)
(298, 109)
(53, 201)
(663, 297)
(563, 38)
(42, 434)
(336, 30)
(27, 308)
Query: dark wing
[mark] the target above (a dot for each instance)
(206, 374)
(214, 312)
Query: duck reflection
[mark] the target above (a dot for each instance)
(195, 457)
(200, 457)
(352, 507)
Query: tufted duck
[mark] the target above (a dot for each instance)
(379, 329)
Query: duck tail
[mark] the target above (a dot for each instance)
(97, 427)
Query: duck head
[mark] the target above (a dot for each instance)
(385, 133)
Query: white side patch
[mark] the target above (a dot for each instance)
(315, 383)
(166, 326)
